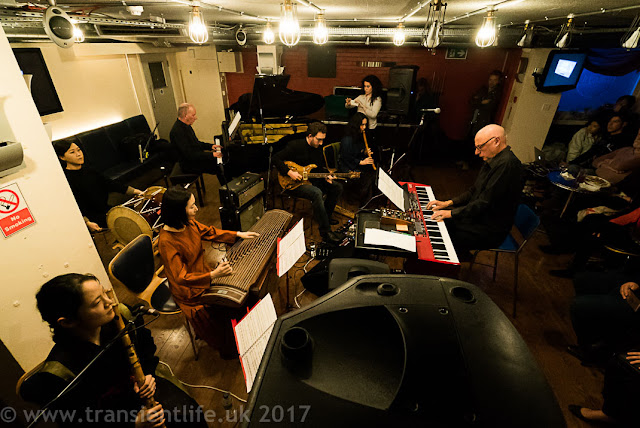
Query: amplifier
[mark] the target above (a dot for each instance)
(243, 189)
(242, 218)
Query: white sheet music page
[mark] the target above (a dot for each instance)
(234, 123)
(391, 239)
(291, 248)
(252, 336)
(390, 189)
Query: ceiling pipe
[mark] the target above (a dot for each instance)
(309, 4)
(480, 11)
(416, 10)
(579, 15)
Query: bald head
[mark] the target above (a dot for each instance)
(490, 141)
(187, 113)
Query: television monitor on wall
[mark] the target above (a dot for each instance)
(43, 92)
(562, 71)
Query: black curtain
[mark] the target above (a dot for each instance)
(613, 62)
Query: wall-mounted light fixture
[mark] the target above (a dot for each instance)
(289, 30)
(398, 35)
(268, 37)
(320, 32)
(487, 34)
(198, 32)
(433, 28)
(563, 40)
(631, 37)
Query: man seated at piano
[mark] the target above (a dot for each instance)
(303, 152)
(180, 247)
(482, 217)
(356, 154)
(195, 156)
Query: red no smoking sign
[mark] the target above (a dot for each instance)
(14, 212)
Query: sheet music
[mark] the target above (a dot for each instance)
(291, 248)
(392, 239)
(252, 336)
(390, 189)
(234, 124)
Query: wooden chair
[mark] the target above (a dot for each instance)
(331, 154)
(526, 221)
(134, 268)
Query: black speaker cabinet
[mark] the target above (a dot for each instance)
(243, 218)
(401, 89)
(400, 351)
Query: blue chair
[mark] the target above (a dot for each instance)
(526, 221)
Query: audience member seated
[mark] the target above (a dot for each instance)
(619, 164)
(625, 106)
(304, 152)
(90, 188)
(80, 314)
(620, 393)
(195, 156)
(602, 320)
(482, 216)
(354, 156)
(614, 139)
(180, 247)
(582, 140)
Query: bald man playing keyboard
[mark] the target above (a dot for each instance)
(482, 217)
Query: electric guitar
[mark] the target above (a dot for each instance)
(289, 183)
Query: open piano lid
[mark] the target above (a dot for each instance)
(271, 93)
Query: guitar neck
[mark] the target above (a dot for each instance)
(325, 174)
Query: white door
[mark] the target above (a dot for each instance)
(158, 80)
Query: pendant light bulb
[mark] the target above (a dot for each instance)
(632, 36)
(268, 37)
(320, 32)
(563, 39)
(78, 34)
(433, 28)
(198, 32)
(398, 35)
(525, 33)
(289, 30)
(487, 34)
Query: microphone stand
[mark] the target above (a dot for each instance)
(265, 142)
(409, 147)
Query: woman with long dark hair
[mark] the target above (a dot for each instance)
(180, 247)
(354, 156)
(370, 102)
(80, 314)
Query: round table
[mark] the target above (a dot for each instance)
(571, 185)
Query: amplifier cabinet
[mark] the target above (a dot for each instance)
(243, 218)
(241, 191)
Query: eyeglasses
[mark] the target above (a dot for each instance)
(479, 148)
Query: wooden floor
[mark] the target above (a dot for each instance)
(542, 320)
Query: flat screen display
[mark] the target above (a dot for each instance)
(43, 92)
(563, 70)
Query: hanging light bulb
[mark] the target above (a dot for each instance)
(78, 34)
(433, 28)
(495, 42)
(198, 32)
(398, 36)
(631, 37)
(527, 35)
(563, 39)
(268, 37)
(487, 34)
(320, 32)
(289, 30)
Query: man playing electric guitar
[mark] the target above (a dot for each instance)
(304, 152)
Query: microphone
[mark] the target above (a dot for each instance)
(143, 310)
(432, 110)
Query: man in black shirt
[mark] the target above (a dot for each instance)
(616, 138)
(305, 152)
(483, 215)
(195, 156)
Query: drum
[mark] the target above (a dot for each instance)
(139, 215)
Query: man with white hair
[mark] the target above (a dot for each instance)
(195, 156)
(482, 217)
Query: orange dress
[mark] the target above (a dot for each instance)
(188, 274)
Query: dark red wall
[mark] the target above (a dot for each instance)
(457, 79)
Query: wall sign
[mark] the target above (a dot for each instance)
(14, 212)
(456, 53)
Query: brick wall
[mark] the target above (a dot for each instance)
(457, 79)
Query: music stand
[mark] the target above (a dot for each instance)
(290, 248)
(412, 140)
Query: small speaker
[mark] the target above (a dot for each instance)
(401, 89)
(244, 218)
(241, 37)
(58, 27)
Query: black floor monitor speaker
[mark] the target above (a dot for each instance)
(401, 89)
(400, 351)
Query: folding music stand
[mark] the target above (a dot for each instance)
(290, 248)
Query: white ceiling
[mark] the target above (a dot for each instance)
(227, 15)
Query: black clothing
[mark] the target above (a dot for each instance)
(91, 191)
(606, 145)
(107, 385)
(352, 151)
(621, 391)
(300, 152)
(483, 215)
(484, 114)
(195, 156)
